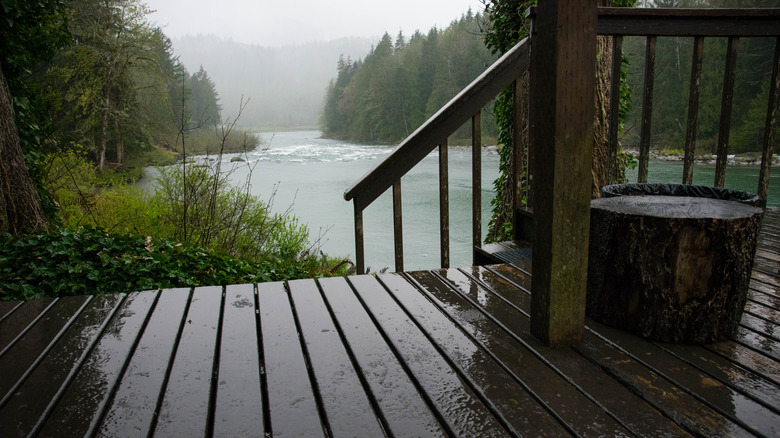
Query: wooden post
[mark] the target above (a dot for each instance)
(727, 102)
(360, 255)
(614, 109)
(647, 109)
(518, 165)
(693, 111)
(563, 68)
(476, 184)
(398, 229)
(444, 204)
(769, 129)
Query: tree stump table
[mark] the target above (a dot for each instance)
(671, 268)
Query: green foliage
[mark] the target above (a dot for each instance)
(209, 141)
(116, 93)
(201, 207)
(506, 26)
(673, 152)
(389, 94)
(198, 204)
(91, 261)
(203, 101)
(31, 33)
(105, 243)
(120, 91)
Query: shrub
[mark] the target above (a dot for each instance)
(203, 208)
(92, 261)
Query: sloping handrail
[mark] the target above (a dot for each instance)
(434, 133)
(446, 121)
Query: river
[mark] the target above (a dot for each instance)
(310, 175)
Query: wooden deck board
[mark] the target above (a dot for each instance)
(403, 410)
(238, 409)
(429, 353)
(582, 374)
(77, 413)
(347, 407)
(291, 401)
(488, 373)
(457, 403)
(42, 385)
(134, 403)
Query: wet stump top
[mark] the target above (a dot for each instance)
(671, 268)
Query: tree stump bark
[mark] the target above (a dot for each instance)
(671, 268)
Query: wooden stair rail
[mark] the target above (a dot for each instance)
(434, 133)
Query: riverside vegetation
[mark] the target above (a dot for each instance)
(98, 94)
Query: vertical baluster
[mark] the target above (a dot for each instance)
(693, 111)
(769, 128)
(614, 109)
(444, 205)
(725, 111)
(398, 233)
(360, 264)
(647, 109)
(476, 182)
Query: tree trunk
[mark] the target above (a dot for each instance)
(673, 269)
(20, 205)
(601, 121)
(104, 133)
(120, 144)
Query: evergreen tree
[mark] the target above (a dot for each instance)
(97, 73)
(204, 107)
(400, 84)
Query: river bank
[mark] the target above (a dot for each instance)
(748, 158)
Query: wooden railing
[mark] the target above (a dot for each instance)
(466, 105)
(700, 24)
(615, 22)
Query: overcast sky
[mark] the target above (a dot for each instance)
(281, 22)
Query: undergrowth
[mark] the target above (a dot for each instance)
(92, 261)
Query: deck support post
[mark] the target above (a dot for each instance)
(563, 68)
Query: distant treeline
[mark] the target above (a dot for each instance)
(400, 84)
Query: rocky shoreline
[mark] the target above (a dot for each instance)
(749, 158)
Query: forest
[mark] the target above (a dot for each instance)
(673, 67)
(92, 93)
(400, 84)
(403, 81)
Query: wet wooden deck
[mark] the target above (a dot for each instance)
(430, 353)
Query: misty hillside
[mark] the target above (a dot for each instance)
(286, 85)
